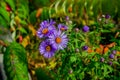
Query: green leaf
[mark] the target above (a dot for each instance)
(110, 8)
(23, 22)
(41, 75)
(15, 62)
(118, 7)
(73, 59)
(96, 7)
(23, 10)
(5, 14)
(41, 3)
(3, 22)
(81, 75)
(33, 17)
(105, 31)
(22, 30)
(45, 14)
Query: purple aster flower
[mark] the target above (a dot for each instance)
(85, 29)
(102, 59)
(85, 47)
(62, 27)
(47, 49)
(47, 23)
(114, 52)
(107, 16)
(46, 29)
(111, 56)
(59, 39)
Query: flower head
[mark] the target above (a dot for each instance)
(85, 47)
(85, 29)
(47, 23)
(46, 29)
(47, 49)
(62, 27)
(59, 39)
(111, 56)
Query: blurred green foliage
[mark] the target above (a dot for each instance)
(15, 62)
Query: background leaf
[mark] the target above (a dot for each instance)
(5, 14)
(41, 75)
(15, 62)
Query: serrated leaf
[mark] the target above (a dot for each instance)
(22, 10)
(24, 3)
(15, 55)
(45, 14)
(3, 22)
(5, 14)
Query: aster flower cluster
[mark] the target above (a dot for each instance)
(111, 57)
(54, 38)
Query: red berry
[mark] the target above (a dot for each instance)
(8, 8)
(20, 39)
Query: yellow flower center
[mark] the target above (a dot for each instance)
(62, 29)
(48, 48)
(58, 40)
(45, 31)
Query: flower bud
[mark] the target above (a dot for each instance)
(85, 47)
(111, 56)
(85, 29)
